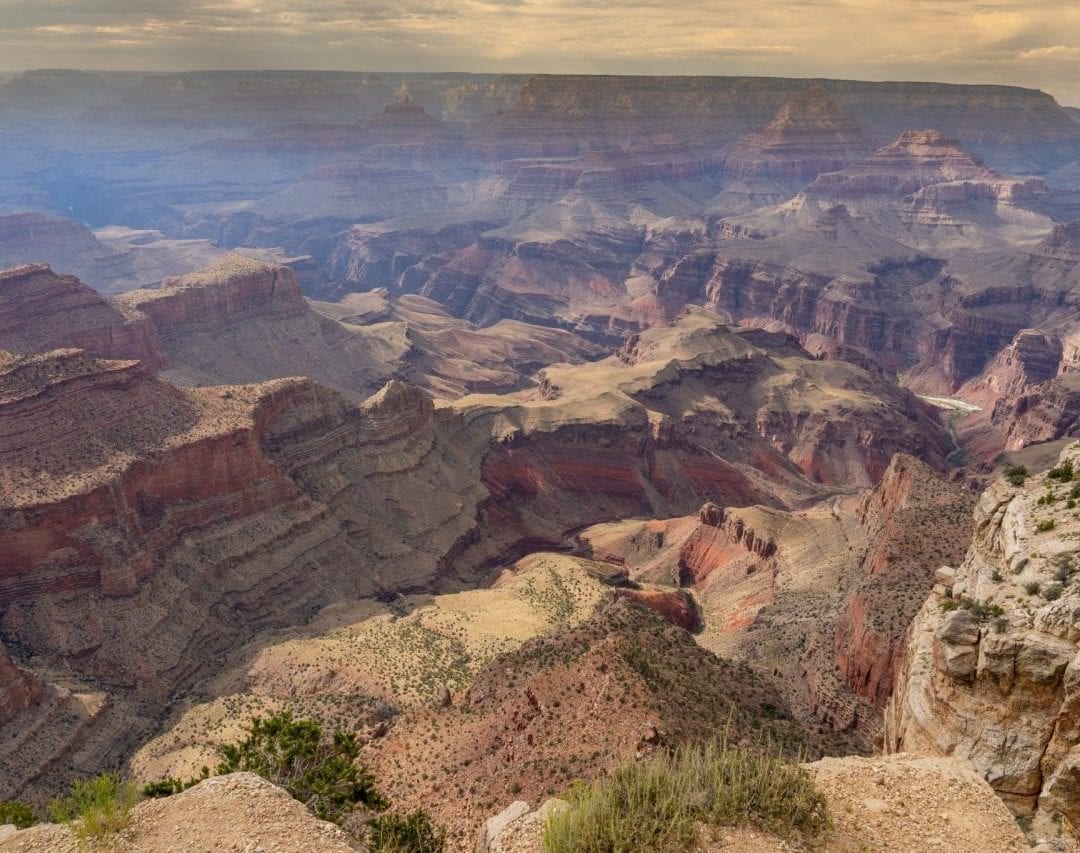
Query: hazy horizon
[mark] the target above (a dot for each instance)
(1032, 44)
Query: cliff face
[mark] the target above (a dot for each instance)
(42, 310)
(913, 521)
(563, 115)
(178, 520)
(243, 320)
(18, 689)
(819, 599)
(1000, 689)
(1043, 412)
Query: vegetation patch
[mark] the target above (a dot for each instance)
(98, 807)
(410, 833)
(1016, 474)
(322, 773)
(981, 610)
(18, 814)
(658, 804)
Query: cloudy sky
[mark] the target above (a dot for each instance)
(1028, 42)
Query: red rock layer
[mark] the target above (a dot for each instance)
(212, 296)
(915, 522)
(41, 310)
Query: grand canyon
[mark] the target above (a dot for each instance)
(525, 427)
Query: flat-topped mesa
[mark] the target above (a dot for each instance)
(42, 310)
(233, 286)
(810, 134)
(29, 237)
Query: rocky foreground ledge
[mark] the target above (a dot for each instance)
(240, 811)
(877, 804)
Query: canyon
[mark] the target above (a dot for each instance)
(528, 425)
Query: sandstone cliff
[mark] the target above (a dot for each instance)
(243, 320)
(992, 679)
(42, 310)
(819, 599)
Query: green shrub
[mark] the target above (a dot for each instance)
(1044, 526)
(319, 772)
(1032, 587)
(97, 807)
(168, 787)
(1052, 592)
(981, 610)
(656, 804)
(17, 814)
(1016, 474)
(1063, 472)
(411, 833)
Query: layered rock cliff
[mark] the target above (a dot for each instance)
(989, 672)
(244, 320)
(42, 310)
(819, 599)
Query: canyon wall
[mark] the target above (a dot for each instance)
(989, 673)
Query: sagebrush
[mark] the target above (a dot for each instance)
(658, 804)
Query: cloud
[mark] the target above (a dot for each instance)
(1033, 43)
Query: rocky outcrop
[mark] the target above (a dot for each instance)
(1047, 411)
(41, 310)
(1032, 357)
(992, 679)
(238, 810)
(18, 689)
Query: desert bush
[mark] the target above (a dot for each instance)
(981, 610)
(96, 807)
(168, 787)
(1016, 474)
(657, 804)
(1044, 526)
(320, 772)
(414, 832)
(1052, 592)
(1032, 587)
(17, 814)
(1063, 472)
